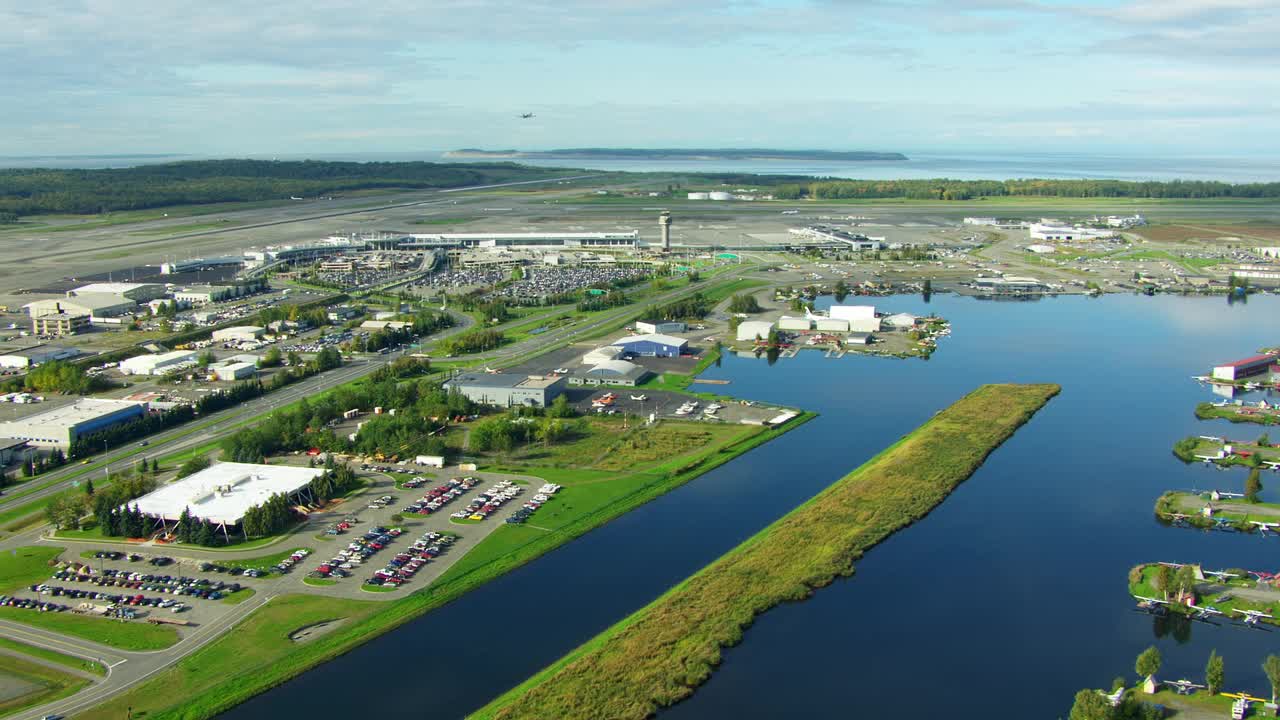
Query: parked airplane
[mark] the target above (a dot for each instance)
(639, 398)
(1184, 686)
(1251, 617)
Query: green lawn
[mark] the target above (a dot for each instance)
(62, 659)
(123, 634)
(25, 566)
(52, 684)
(265, 563)
(239, 596)
(236, 661)
(318, 582)
(655, 657)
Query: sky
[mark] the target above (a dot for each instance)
(241, 77)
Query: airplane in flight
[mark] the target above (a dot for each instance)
(525, 116)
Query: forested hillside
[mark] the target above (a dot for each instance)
(38, 191)
(969, 189)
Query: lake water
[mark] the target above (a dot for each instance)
(1003, 602)
(920, 164)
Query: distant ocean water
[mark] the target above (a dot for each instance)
(921, 164)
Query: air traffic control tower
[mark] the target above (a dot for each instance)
(664, 224)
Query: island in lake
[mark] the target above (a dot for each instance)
(675, 154)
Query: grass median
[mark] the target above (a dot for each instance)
(656, 657)
(53, 656)
(43, 684)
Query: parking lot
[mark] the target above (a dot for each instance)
(435, 534)
(141, 587)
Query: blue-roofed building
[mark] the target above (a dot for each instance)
(655, 345)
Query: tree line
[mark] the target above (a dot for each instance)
(941, 189)
(473, 341)
(694, 306)
(31, 191)
(422, 410)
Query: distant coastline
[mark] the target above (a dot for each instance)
(675, 154)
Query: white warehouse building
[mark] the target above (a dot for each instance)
(239, 333)
(752, 329)
(157, 364)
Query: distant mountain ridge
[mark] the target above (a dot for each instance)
(677, 154)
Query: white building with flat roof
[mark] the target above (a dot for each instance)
(157, 364)
(33, 356)
(223, 492)
(137, 292)
(97, 305)
(61, 426)
(239, 333)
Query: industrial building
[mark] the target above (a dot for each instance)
(653, 345)
(1268, 275)
(621, 240)
(60, 427)
(224, 492)
(610, 372)
(95, 305)
(137, 292)
(234, 371)
(1053, 230)
(59, 323)
(12, 450)
(239, 333)
(205, 294)
(751, 329)
(1249, 367)
(835, 237)
(831, 324)
(1009, 285)
(385, 325)
(37, 355)
(507, 389)
(157, 364)
(794, 324)
(860, 318)
(900, 320)
(603, 354)
(655, 327)
(858, 338)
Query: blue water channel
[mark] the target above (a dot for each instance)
(1010, 595)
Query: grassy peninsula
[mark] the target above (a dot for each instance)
(656, 656)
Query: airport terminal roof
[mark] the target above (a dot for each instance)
(111, 288)
(223, 492)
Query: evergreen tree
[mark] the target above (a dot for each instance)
(1214, 673)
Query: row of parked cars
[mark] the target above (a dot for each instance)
(158, 561)
(117, 598)
(296, 557)
(405, 564)
(488, 502)
(544, 494)
(31, 604)
(360, 549)
(436, 498)
(124, 579)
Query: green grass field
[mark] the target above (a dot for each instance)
(656, 656)
(62, 659)
(51, 684)
(25, 566)
(123, 634)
